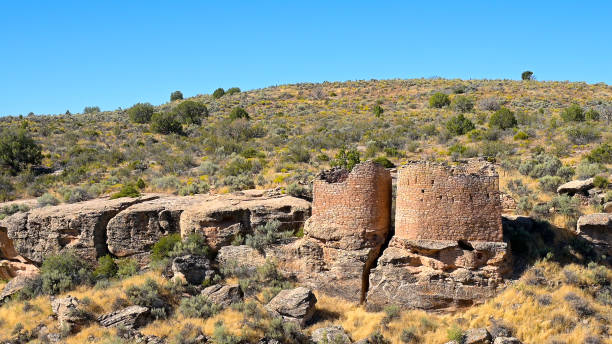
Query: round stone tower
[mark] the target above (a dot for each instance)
(440, 202)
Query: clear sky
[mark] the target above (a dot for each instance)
(59, 55)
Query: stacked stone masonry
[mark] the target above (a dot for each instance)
(439, 202)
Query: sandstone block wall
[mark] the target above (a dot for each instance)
(355, 204)
(438, 202)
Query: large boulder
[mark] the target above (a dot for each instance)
(597, 229)
(128, 318)
(243, 257)
(576, 187)
(332, 334)
(68, 312)
(80, 227)
(477, 336)
(135, 230)
(193, 268)
(295, 305)
(223, 295)
(221, 218)
(17, 284)
(436, 275)
(507, 340)
(607, 208)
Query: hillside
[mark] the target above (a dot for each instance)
(537, 135)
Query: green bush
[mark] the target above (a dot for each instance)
(582, 134)
(195, 244)
(141, 184)
(573, 113)
(218, 93)
(198, 307)
(601, 154)
(63, 272)
(346, 159)
(592, 115)
(586, 170)
(141, 113)
(384, 162)
(176, 95)
(239, 112)
(91, 109)
(128, 190)
(266, 235)
(378, 110)
(455, 333)
(439, 100)
(462, 104)
(503, 119)
(148, 295)
(550, 183)
(47, 199)
(459, 125)
(601, 182)
(232, 90)
(164, 246)
(527, 75)
(190, 112)
(166, 123)
(521, 135)
(106, 269)
(18, 151)
(127, 267)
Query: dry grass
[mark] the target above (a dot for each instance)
(29, 317)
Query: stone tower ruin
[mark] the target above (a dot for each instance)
(439, 202)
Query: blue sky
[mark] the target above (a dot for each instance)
(59, 55)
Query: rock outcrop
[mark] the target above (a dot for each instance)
(221, 218)
(17, 284)
(194, 269)
(128, 318)
(11, 263)
(223, 295)
(576, 187)
(244, 257)
(597, 229)
(295, 305)
(69, 314)
(80, 227)
(331, 334)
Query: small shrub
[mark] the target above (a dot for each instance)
(378, 110)
(127, 267)
(300, 191)
(190, 112)
(266, 235)
(141, 113)
(238, 113)
(222, 336)
(148, 295)
(503, 119)
(462, 104)
(194, 189)
(126, 191)
(384, 162)
(527, 75)
(459, 125)
(106, 269)
(164, 246)
(586, 170)
(378, 338)
(166, 123)
(409, 336)
(140, 184)
(176, 95)
(218, 93)
(195, 244)
(91, 109)
(489, 104)
(455, 333)
(439, 100)
(346, 158)
(592, 115)
(47, 199)
(601, 182)
(580, 306)
(601, 154)
(232, 90)
(573, 113)
(521, 135)
(63, 272)
(582, 134)
(18, 151)
(550, 183)
(198, 307)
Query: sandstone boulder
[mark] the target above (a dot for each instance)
(477, 336)
(296, 305)
(597, 229)
(80, 227)
(135, 230)
(607, 208)
(223, 295)
(129, 318)
(230, 258)
(506, 340)
(17, 284)
(193, 268)
(68, 312)
(576, 187)
(220, 218)
(332, 334)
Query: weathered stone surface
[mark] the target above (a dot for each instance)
(296, 305)
(193, 268)
(243, 256)
(221, 217)
(439, 202)
(507, 202)
(11, 263)
(129, 318)
(597, 229)
(16, 284)
(428, 274)
(607, 208)
(79, 226)
(68, 312)
(332, 334)
(135, 230)
(506, 340)
(576, 187)
(477, 336)
(223, 295)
